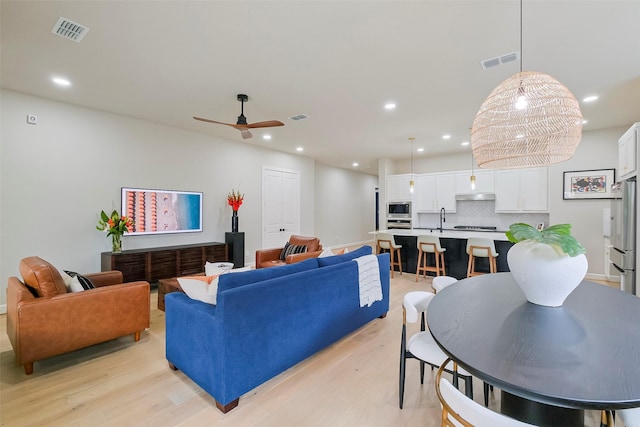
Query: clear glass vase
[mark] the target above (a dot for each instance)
(116, 240)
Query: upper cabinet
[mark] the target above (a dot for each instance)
(398, 188)
(435, 191)
(522, 190)
(485, 182)
(627, 153)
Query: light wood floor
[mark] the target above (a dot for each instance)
(123, 383)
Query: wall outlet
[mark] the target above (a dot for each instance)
(32, 119)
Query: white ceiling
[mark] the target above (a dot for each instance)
(338, 62)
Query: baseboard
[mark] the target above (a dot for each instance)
(3, 308)
(592, 276)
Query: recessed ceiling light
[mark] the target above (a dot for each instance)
(465, 143)
(355, 164)
(390, 106)
(266, 137)
(299, 149)
(61, 81)
(446, 136)
(585, 121)
(420, 150)
(590, 98)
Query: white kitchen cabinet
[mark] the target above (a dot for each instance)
(398, 188)
(522, 190)
(435, 191)
(484, 182)
(627, 154)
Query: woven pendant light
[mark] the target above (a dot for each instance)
(530, 119)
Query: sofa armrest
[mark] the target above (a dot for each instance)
(105, 278)
(301, 257)
(265, 255)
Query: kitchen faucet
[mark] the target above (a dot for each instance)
(442, 217)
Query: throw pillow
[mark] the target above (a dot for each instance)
(84, 281)
(325, 252)
(200, 288)
(75, 285)
(67, 280)
(290, 249)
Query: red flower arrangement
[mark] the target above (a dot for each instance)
(235, 200)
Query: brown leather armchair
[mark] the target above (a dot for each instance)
(56, 322)
(271, 257)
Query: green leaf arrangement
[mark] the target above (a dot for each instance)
(559, 236)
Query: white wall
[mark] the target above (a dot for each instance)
(597, 150)
(345, 200)
(56, 176)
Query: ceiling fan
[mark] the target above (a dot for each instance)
(242, 124)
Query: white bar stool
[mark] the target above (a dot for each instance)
(481, 248)
(426, 245)
(386, 242)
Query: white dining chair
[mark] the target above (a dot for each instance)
(441, 282)
(630, 417)
(459, 410)
(422, 346)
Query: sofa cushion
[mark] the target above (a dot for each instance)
(41, 276)
(337, 259)
(290, 249)
(229, 281)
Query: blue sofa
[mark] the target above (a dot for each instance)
(266, 321)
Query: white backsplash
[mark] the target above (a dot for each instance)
(474, 212)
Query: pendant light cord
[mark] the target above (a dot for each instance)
(411, 156)
(520, 35)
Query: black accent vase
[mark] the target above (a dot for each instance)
(234, 222)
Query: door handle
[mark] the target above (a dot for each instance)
(617, 268)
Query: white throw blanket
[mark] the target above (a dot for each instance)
(369, 280)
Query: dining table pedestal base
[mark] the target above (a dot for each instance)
(538, 413)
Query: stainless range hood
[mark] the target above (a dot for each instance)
(476, 196)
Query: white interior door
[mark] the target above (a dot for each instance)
(281, 206)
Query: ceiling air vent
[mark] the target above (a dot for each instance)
(299, 117)
(69, 30)
(499, 60)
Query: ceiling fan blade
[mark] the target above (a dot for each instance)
(245, 134)
(267, 124)
(213, 121)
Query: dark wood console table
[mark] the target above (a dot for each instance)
(153, 264)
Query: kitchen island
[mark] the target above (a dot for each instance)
(455, 241)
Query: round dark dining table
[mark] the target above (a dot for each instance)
(550, 363)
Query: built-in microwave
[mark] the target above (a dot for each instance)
(399, 210)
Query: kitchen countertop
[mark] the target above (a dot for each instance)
(446, 233)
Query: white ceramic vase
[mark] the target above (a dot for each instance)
(545, 276)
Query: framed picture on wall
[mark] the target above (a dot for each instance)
(162, 211)
(588, 184)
